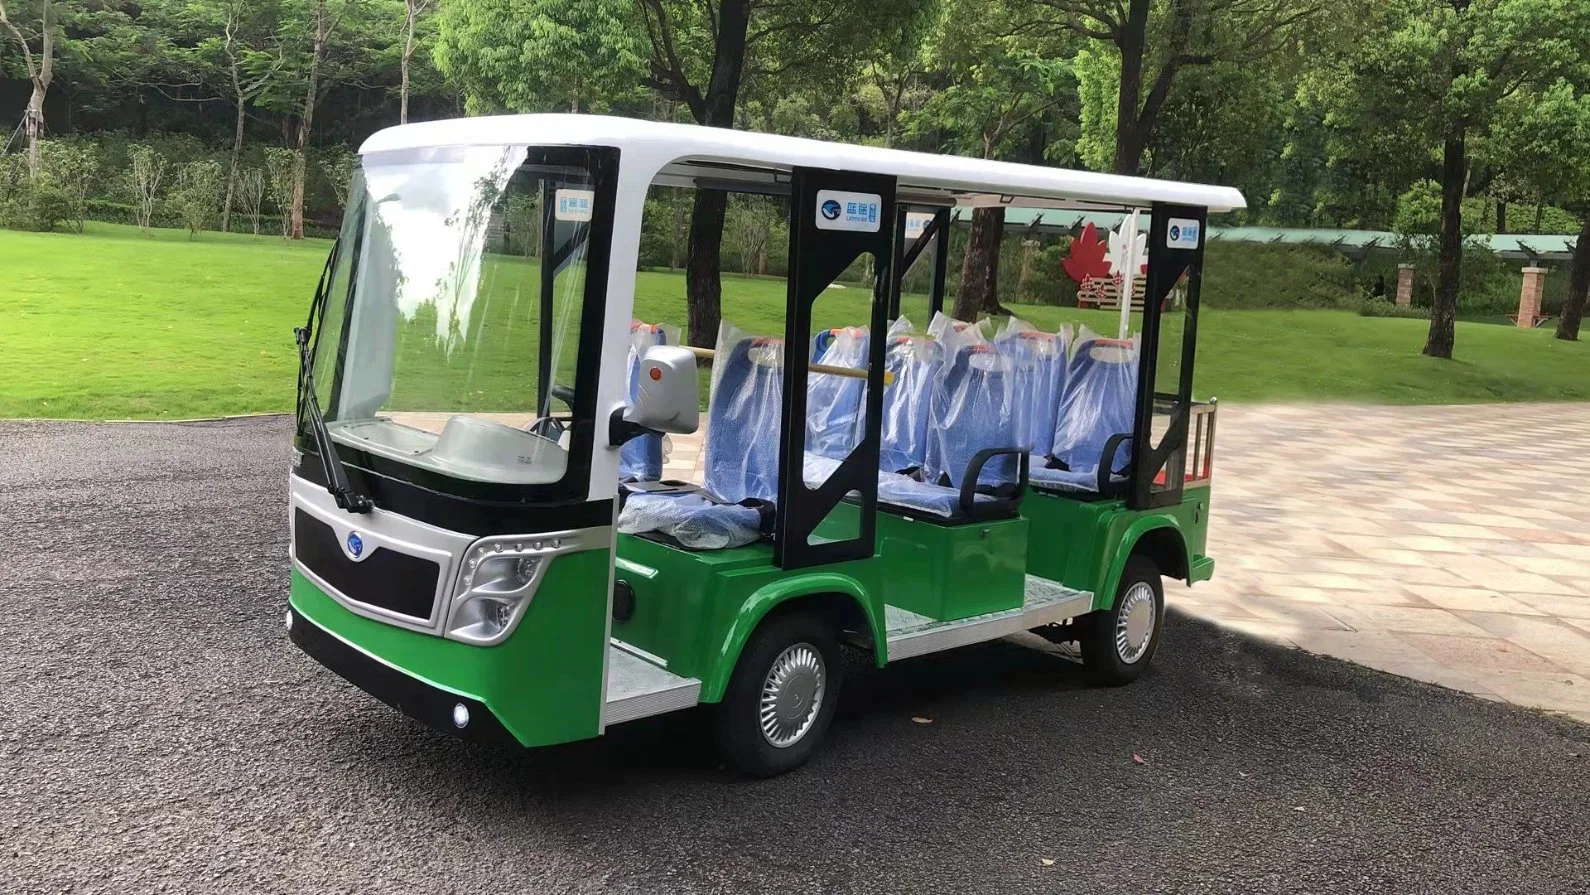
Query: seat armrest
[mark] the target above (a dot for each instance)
(1107, 460)
(970, 506)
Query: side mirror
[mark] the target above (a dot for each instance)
(667, 396)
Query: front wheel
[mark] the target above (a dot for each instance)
(781, 698)
(1120, 641)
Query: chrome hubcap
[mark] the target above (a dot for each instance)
(792, 694)
(1134, 624)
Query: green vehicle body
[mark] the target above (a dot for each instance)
(697, 609)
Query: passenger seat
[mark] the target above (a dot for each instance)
(1095, 415)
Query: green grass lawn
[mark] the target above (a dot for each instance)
(115, 324)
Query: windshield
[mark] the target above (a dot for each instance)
(456, 347)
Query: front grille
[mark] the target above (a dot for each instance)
(387, 579)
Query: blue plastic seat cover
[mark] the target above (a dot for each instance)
(1038, 373)
(744, 418)
(973, 409)
(1098, 402)
(641, 458)
(834, 417)
(916, 363)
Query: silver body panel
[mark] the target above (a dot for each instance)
(1046, 602)
(448, 549)
(637, 688)
(386, 530)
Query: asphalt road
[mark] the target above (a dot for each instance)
(158, 732)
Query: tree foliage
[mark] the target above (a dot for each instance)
(542, 55)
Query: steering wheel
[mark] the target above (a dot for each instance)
(563, 393)
(549, 427)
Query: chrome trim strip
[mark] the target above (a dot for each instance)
(1047, 602)
(635, 568)
(607, 617)
(639, 653)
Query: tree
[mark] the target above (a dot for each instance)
(701, 53)
(540, 56)
(326, 43)
(40, 68)
(1154, 40)
(198, 194)
(1002, 89)
(251, 186)
(74, 168)
(230, 48)
(1540, 137)
(412, 11)
(279, 171)
(147, 174)
(1434, 72)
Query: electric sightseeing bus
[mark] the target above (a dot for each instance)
(481, 535)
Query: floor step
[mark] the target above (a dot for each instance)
(640, 687)
(1045, 602)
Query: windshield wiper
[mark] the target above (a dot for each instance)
(337, 483)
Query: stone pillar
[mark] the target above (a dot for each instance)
(1529, 297)
(1404, 285)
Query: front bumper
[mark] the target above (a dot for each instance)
(421, 701)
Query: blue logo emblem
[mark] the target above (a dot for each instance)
(1175, 233)
(355, 544)
(831, 210)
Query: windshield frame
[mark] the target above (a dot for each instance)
(409, 488)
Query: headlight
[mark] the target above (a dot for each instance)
(495, 584)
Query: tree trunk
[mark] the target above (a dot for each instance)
(978, 291)
(311, 99)
(231, 174)
(1131, 42)
(34, 126)
(1501, 216)
(408, 54)
(703, 283)
(1578, 285)
(1443, 310)
(676, 258)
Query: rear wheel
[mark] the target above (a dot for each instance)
(1119, 642)
(781, 698)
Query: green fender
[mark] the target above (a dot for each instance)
(1104, 597)
(764, 599)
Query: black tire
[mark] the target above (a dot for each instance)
(744, 745)
(1102, 658)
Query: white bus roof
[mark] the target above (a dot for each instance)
(680, 154)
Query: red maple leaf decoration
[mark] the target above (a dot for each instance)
(1087, 256)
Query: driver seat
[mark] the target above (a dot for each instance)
(735, 507)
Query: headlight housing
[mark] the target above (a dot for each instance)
(494, 586)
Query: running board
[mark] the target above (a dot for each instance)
(1046, 602)
(640, 687)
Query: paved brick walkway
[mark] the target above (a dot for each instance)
(1446, 544)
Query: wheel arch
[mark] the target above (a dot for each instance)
(839, 598)
(1158, 537)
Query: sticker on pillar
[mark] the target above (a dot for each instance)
(1182, 233)
(574, 205)
(916, 223)
(861, 212)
